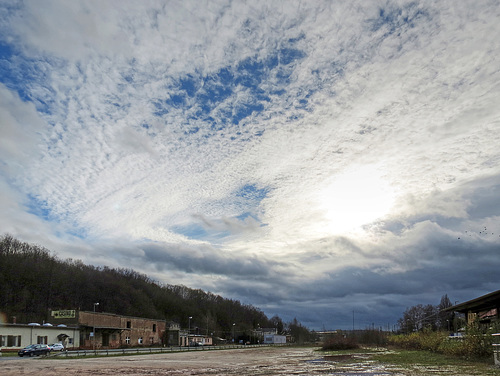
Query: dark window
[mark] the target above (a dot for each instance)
(154, 328)
(42, 340)
(129, 324)
(105, 339)
(13, 341)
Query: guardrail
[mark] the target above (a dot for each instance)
(152, 350)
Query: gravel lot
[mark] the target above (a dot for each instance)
(246, 362)
(219, 362)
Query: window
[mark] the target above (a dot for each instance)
(70, 341)
(127, 340)
(154, 328)
(129, 324)
(152, 340)
(10, 341)
(140, 341)
(42, 340)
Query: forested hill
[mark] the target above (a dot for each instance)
(33, 282)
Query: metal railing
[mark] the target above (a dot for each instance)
(152, 350)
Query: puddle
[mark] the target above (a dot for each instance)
(331, 358)
(361, 373)
(360, 369)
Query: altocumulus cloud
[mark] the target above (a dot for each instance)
(340, 156)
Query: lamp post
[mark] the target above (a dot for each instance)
(189, 329)
(233, 331)
(93, 331)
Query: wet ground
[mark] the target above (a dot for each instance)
(253, 361)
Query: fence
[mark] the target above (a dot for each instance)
(151, 350)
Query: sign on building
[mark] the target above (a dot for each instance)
(64, 314)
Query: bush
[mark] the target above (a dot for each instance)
(475, 344)
(371, 337)
(340, 342)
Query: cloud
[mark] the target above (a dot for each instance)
(287, 154)
(21, 130)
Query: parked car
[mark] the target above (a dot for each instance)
(34, 350)
(56, 347)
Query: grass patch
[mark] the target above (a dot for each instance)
(411, 359)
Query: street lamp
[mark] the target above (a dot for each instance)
(233, 331)
(189, 328)
(93, 332)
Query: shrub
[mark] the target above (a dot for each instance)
(340, 342)
(372, 337)
(475, 343)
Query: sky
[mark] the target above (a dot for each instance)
(331, 161)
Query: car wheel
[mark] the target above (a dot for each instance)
(31, 354)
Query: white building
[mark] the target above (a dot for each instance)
(17, 336)
(274, 339)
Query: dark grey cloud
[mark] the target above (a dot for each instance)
(207, 260)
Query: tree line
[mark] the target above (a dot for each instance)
(433, 317)
(34, 281)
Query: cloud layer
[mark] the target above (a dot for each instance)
(337, 156)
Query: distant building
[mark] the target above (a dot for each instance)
(274, 339)
(172, 334)
(324, 335)
(194, 339)
(17, 336)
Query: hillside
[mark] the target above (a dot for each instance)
(34, 282)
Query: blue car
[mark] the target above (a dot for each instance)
(34, 350)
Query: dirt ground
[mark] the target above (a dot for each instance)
(246, 362)
(252, 361)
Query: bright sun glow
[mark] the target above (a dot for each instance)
(355, 198)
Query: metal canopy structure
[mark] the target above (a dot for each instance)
(484, 307)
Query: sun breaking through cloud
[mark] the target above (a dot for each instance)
(336, 155)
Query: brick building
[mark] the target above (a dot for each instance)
(112, 330)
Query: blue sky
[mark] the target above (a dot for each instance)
(309, 158)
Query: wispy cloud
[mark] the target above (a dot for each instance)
(287, 154)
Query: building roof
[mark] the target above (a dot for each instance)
(483, 303)
(40, 326)
(123, 316)
(107, 327)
